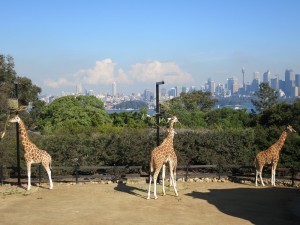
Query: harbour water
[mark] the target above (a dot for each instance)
(248, 106)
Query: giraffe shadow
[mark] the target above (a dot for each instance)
(132, 190)
(260, 206)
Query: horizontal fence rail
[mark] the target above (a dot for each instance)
(117, 172)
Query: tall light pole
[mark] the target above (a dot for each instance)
(18, 137)
(157, 111)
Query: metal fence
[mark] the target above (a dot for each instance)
(77, 173)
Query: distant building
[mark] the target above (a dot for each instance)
(232, 85)
(163, 92)
(297, 82)
(148, 95)
(178, 90)
(211, 86)
(78, 89)
(275, 83)
(255, 82)
(289, 82)
(267, 77)
(172, 93)
(114, 89)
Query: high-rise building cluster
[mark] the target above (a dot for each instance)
(289, 88)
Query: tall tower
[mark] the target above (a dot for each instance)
(114, 89)
(243, 72)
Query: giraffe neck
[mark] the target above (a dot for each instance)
(24, 136)
(171, 125)
(281, 140)
(170, 136)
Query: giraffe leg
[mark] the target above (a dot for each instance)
(273, 175)
(163, 178)
(28, 176)
(47, 168)
(154, 189)
(174, 175)
(155, 180)
(172, 178)
(149, 187)
(260, 176)
(256, 175)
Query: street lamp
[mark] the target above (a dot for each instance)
(17, 133)
(157, 111)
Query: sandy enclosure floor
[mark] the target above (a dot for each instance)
(198, 203)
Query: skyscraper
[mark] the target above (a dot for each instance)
(275, 83)
(178, 90)
(266, 77)
(289, 82)
(78, 89)
(114, 89)
(211, 86)
(232, 85)
(255, 82)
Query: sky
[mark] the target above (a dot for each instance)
(59, 44)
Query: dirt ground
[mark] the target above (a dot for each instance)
(198, 203)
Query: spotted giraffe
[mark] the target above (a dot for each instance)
(160, 155)
(32, 153)
(271, 156)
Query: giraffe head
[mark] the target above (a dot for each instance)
(173, 119)
(15, 119)
(289, 128)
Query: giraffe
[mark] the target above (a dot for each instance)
(271, 156)
(160, 155)
(32, 153)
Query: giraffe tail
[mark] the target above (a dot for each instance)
(254, 162)
(151, 164)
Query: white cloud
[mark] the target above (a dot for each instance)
(154, 71)
(105, 72)
(56, 84)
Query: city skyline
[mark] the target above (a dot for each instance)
(59, 44)
(288, 87)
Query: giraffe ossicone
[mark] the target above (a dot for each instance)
(32, 153)
(271, 156)
(160, 156)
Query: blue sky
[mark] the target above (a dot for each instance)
(58, 44)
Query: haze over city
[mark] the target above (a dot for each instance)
(59, 44)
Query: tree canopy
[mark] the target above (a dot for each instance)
(73, 113)
(266, 97)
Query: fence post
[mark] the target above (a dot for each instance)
(1, 174)
(76, 172)
(40, 174)
(115, 171)
(293, 174)
(187, 172)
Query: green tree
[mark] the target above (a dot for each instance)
(194, 101)
(73, 114)
(227, 118)
(135, 104)
(190, 108)
(265, 98)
